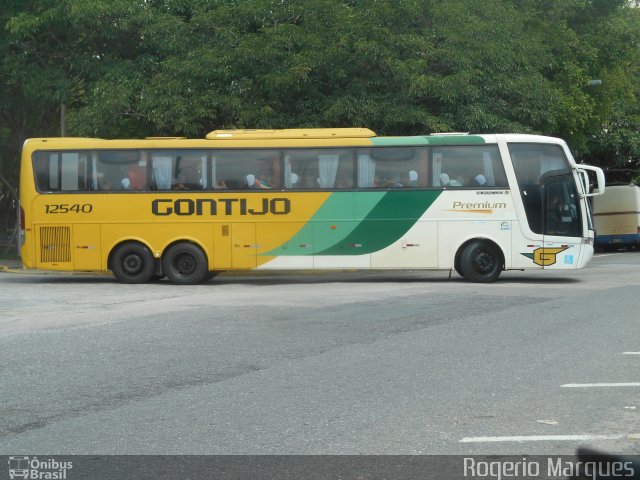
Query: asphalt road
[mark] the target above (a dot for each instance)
(346, 363)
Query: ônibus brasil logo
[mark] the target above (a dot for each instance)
(33, 468)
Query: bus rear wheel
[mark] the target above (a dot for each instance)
(481, 262)
(132, 262)
(185, 264)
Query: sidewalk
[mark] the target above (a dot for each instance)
(8, 264)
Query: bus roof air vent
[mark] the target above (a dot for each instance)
(292, 133)
(165, 138)
(450, 133)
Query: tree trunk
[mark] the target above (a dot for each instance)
(63, 119)
(12, 191)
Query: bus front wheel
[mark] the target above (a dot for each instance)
(132, 262)
(481, 262)
(185, 264)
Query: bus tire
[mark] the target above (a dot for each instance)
(185, 264)
(133, 262)
(481, 262)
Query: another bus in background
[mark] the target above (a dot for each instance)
(616, 217)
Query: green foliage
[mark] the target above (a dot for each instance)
(185, 67)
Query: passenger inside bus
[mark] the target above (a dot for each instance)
(103, 182)
(411, 179)
(254, 182)
(480, 180)
(188, 179)
(137, 177)
(561, 214)
(267, 176)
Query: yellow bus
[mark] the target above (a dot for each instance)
(303, 199)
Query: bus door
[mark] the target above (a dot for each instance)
(243, 245)
(86, 246)
(234, 245)
(562, 228)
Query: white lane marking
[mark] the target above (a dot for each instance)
(605, 255)
(592, 385)
(630, 353)
(549, 438)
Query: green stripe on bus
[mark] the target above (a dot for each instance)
(383, 226)
(334, 220)
(428, 140)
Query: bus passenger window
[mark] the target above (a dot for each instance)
(190, 171)
(468, 166)
(386, 167)
(61, 171)
(319, 168)
(124, 168)
(240, 169)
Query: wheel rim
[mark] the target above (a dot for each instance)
(185, 264)
(484, 262)
(132, 264)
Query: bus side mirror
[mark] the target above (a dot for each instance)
(584, 176)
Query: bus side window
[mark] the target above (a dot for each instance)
(244, 169)
(390, 167)
(190, 171)
(318, 168)
(468, 166)
(42, 169)
(124, 169)
(61, 171)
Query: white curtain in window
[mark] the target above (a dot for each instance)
(287, 171)
(203, 171)
(162, 171)
(487, 164)
(437, 168)
(328, 167)
(70, 170)
(366, 171)
(214, 173)
(94, 170)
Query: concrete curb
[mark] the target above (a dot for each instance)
(13, 269)
(29, 271)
